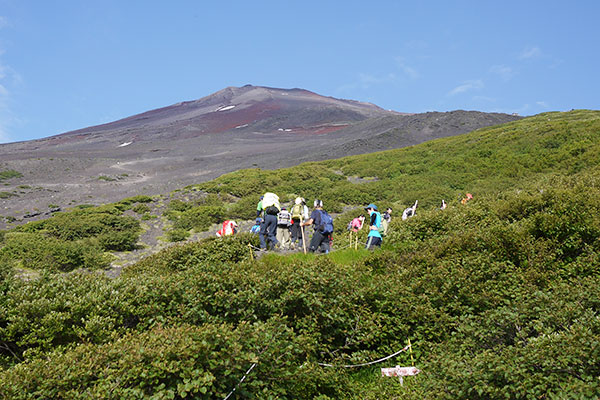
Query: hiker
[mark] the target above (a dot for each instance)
(465, 200)
(386, 219)
(284, 220)
(259, 207)
(374, 237)
(323, 226)
(256, 227)
(410, 211)
(444, 205)
(357, 223)
(268, 230)
(299, 214)
(229, 228)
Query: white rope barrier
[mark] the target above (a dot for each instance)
(367, 363)
(240, 382)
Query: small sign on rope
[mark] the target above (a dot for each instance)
(400, 372)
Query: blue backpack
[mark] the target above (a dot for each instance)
(326, 223)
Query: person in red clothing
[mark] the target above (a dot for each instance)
(357, 223)
(229, 228)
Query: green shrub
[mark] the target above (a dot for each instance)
(542, 345)
(182, 361)
(177, 235)
(199, 218)
(137, 199)
(118, 241)
(9, 174)
(179, 205)
(100, 222)
(6, 195)
(140, 209)
(214, 250)
(35, 251)
(72, 240)
(6, 270)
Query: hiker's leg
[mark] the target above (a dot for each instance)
(279, 235)
(271, 221)
(376, 242)
(369, 242)
(325, 244)
(285, 237)
(385, 226)
(262, 235)
(295, 230)
(315, 242)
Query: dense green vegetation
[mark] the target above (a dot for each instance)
(77, 239)
(499, 296)
(198, 215)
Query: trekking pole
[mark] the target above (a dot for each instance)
(302, 230)
(356, 243)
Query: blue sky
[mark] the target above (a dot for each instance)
(69, 64)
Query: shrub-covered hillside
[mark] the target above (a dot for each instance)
(80, 238)
(499, 296)
(487, 161)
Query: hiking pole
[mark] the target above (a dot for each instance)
(302, 230)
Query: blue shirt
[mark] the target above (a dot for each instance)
(376, 222)
(316, 217)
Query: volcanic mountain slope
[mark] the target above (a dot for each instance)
(190, 142)
(249, 108)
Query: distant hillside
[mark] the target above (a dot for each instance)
(487, 161)
(191, 142)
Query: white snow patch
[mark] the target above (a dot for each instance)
(241, 126)
(288, 130)
(125, 144)
(225, 108)
(280, 129)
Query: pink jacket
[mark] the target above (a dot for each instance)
(356, 224)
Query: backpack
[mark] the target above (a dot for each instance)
(284, 218)
(349, 227)
(326, 226)
(270, 199)
(297, 211)
(272, 210)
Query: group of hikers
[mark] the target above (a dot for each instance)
(279, 228)
(285, 229)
